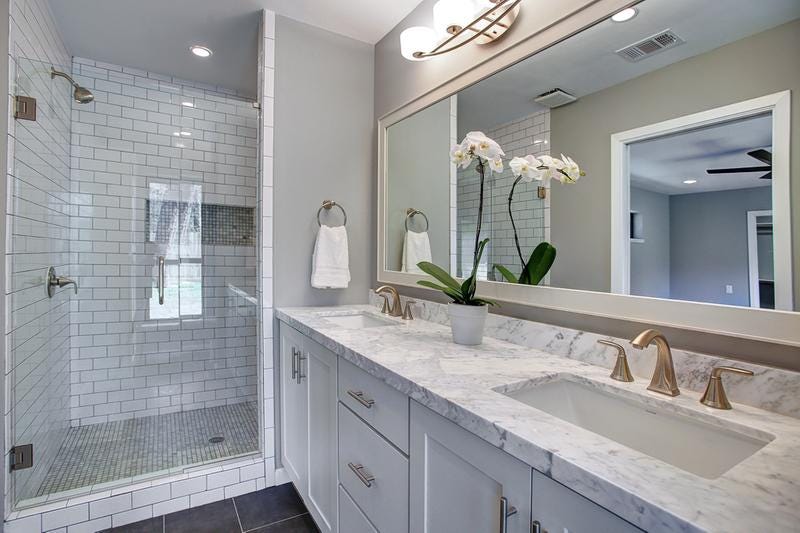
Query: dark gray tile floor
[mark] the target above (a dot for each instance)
(273, 510)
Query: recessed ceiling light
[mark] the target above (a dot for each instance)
(200, 51)
(624, 15)
(689, 182)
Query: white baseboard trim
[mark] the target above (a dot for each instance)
(281, 476)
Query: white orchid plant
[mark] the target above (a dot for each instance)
(543, 169)
(477, 147)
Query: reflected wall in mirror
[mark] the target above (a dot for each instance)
(698, 206)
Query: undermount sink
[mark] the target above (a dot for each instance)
(680, 440)
(359, 321)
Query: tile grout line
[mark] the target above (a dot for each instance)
(238, 518)
(262, 526)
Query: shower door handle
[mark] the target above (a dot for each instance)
(161, 280)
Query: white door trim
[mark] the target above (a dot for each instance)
(752, 256)
(779, 104)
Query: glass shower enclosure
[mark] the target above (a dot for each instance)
(146, 199)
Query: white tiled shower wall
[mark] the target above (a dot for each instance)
(528, 135)
(37, 328)
(140, 133)
(34, 35)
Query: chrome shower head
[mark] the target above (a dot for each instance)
(82, 95)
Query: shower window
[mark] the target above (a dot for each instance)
(174, 225)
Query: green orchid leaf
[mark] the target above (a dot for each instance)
(440, 274)
(506, 273)
(454, 295)
(539, 264)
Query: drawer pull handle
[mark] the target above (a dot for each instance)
(295, 353)
(505, 512)
(362, 474)
(358, 396)
(300, 359)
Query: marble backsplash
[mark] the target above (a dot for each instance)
(769, 388)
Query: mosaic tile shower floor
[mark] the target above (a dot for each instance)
(110, 451)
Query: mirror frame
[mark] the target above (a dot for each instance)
(763, 325)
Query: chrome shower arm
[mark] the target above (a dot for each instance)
(54, 73)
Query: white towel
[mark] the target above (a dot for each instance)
(416, 248)
(331, 262)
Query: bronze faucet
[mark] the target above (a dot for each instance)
(396, 309)
(663, 380)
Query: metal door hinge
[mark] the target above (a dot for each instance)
(22, 457)
(25, 108)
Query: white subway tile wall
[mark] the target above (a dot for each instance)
(148, 136)
(528, 135)
(37, 328)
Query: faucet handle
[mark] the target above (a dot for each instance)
(715, 396)
(407, 312)
(622, 371)
(385, 307)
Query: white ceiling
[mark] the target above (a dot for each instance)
(155, 35)
(586, 63)
(661, 165)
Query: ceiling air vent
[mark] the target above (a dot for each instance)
(554, 98)
(652, 45)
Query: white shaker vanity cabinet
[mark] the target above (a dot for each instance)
(308, 412)
(367, 459)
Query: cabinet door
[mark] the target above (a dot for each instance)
(559, 509)
(459, 480)
(294, 403)
(318, 372)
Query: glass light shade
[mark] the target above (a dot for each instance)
(459, 13)
(417, 39)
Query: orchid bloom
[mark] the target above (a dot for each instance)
(479, 144)
(571, 171)
(550, 168)
(496, 165)
(460, 157)
(526, 168)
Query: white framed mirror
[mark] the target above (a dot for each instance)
(684, 215)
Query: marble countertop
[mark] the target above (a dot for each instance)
(762, 493)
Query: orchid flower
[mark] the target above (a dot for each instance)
(479, 144)
(526, 168)
(571, 171)
(460, 157)
(550, 168)
(496, 165)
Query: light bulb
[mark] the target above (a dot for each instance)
(417, 39)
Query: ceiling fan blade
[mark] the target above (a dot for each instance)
(739, 169)
(767, 176)
(762, 155)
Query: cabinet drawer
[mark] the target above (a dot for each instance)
(374, 474)
(558, 508)
(384, 408)
(351, 519)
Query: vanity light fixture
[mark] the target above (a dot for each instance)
(625, 15)
(690, 182)
(200, 51)
(456, 23)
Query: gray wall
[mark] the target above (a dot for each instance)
(324, 141)
(708, 234)
(703, 82)
(418, 165)
(650, 259)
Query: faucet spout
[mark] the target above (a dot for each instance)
(396, 309)
(663, 380)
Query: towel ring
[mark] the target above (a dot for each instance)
(328, 204)
(411, 212)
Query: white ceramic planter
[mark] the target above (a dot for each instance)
(467, 323)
